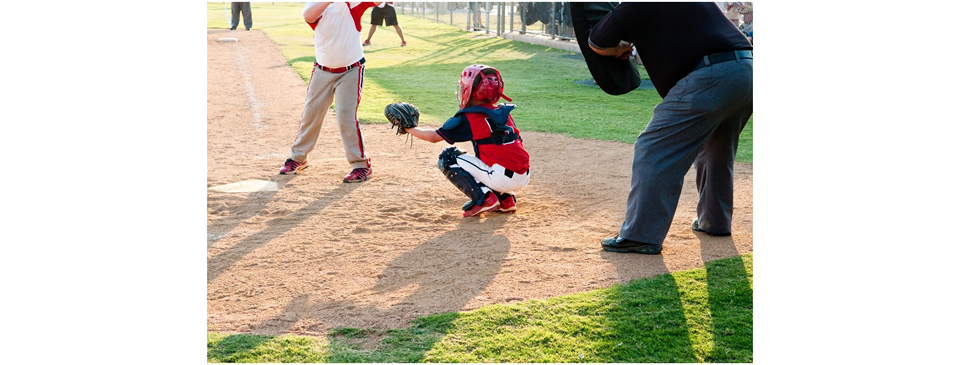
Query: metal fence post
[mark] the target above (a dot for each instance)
(555, 22)
(486, 28)
(498, 18)
(523, 18)
(501, 18)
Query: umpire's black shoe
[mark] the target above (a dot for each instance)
(620, 244)
(696, 227)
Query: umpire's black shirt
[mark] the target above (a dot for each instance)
(670, 37)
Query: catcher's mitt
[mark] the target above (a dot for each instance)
(402, 116)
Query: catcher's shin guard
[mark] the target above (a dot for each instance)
(459, 177)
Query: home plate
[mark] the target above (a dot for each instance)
(247, 186)
(227, 39)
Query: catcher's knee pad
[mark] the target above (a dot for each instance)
(465, 182)
(449, 158)
(460, 177)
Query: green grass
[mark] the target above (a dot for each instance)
(698, 315)
(539, 79)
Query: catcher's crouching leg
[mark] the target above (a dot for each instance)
(508, 202)
(460, 178)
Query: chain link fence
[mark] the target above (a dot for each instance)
(545, 19)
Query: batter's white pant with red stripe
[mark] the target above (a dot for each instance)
(324, 87)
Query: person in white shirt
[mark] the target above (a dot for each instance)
(337, 75)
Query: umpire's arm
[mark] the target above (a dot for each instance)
(622, 50)
(605, 39)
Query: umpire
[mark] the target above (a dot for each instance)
(702, 67)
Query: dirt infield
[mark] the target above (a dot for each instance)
(317, 253)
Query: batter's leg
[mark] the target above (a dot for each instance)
(319, 97)
(349, 89)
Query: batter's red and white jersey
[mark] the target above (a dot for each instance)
(336, 33)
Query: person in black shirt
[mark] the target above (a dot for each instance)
(702, 67)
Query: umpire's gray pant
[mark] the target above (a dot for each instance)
(699, 121)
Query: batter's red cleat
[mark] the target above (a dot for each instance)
(358, 175)
(508, 204)
(490, 202)
(292, 167)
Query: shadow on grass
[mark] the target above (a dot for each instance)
(250, 348)
(700, 315)
(731, 307)
(407, 345)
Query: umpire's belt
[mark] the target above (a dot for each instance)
(340, 70)
(723, 57)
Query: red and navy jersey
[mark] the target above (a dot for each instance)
(479, 126)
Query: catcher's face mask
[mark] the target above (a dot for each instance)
(481, 82)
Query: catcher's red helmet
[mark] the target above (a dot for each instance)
(481, 82)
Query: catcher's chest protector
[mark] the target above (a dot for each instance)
(491, 126)
(505, 148)
(487, 131)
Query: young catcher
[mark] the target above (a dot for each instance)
(501, 166)
(337, 75)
